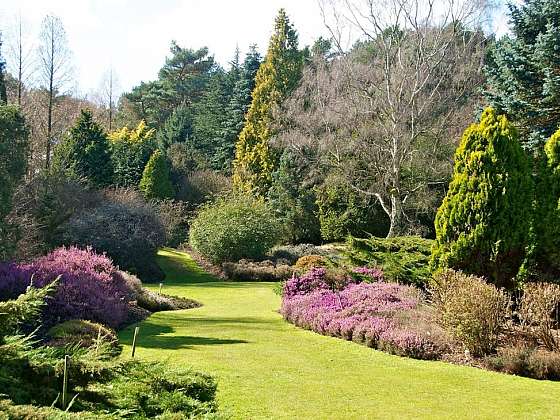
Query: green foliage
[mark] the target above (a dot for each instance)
(85, 152)
(275, 79)
(545, 252)
(155, 182)
(294, 201)
(233, 228)
(181, 80)
(403, 259)
(344, 212)
(13, 164)
(523, 70)
(482, 227)
(177, 128)
(26, 309)
(473, 311)
(130, 150)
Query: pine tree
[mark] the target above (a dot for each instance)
(3, 94)
(483, 223)
(155, 183)
(275, 79)
(85, 152)
(523, 71)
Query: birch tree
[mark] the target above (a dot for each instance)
(388, 112)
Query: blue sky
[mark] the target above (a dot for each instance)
(133, 36)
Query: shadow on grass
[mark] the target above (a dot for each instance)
(157, 336)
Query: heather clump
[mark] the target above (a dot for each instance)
(380, 315)
(90, 286)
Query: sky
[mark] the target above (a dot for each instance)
(133, 36)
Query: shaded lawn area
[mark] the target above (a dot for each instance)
(267, 368)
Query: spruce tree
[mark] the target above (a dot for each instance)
(237, 107)
(483, 223)
(523, 71)
(177, 128)
(275, 79)
(85, 152)
(155, 183)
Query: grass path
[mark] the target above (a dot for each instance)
(267, 368)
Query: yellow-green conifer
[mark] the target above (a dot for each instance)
(277, 76)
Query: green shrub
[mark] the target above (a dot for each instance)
(482, 226)
(403, 259)
(471, 310)
(234, 228)
(526, 361)
(155, 183)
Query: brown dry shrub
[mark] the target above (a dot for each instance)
(471, 310)
(307, 262)
(539, 304)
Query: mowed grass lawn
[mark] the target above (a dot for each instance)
(267, 368)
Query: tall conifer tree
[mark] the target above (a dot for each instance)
(276, 78)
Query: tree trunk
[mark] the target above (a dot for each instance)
(396, 216)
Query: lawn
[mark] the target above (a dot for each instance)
(267, 368)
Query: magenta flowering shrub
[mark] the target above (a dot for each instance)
(14, 279)
(90, 286)
(314, 279)
(386, 316)
(369, 274)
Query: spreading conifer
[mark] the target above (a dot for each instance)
(483, 223)
(155, 182)
(277, 76)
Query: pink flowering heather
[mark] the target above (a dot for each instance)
(371, 274)
(373, 314)
(312, 280)
(90, 286)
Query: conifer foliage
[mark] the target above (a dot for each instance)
(155, 182)
(276, 77)
(523, 70)
(482, 226)
(85, 152)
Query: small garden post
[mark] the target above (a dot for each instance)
(134, 340)
(65, 382)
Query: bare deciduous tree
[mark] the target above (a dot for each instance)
(388, 112)
(55, 70)
(20, 56)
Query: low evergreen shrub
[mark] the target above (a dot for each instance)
(403, 259)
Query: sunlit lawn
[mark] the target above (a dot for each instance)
(267, 368)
